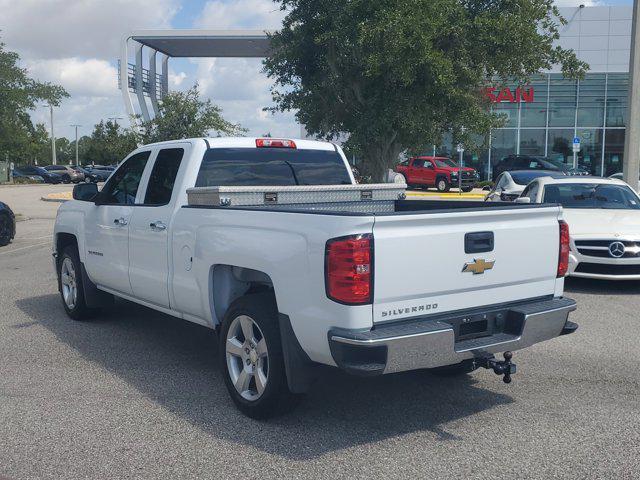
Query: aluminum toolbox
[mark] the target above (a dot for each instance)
(294, 195)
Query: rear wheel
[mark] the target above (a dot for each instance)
(467, 189)
(70, 285)
(6, 229)
(66, 179)
(442, 184)
(252, 360)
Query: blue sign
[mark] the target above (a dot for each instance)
(576, 140)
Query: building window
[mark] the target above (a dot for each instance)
(532, 141)
(590, 155)
(562, 101)
(617, 98)
(613, 151)
(534, 114)
(503, 143)
(591, 101)
(560, 146)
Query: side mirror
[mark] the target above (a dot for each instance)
(85, 192)
(523, 200)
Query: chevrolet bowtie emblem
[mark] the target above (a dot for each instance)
(479, 265)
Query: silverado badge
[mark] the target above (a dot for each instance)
(479, 265)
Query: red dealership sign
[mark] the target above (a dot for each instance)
(517, 95)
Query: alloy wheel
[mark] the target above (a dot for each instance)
(69, 286)
(247, 357)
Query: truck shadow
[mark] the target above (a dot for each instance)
(174, 363)
(601, 287)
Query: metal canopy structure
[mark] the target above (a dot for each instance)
(148, 82)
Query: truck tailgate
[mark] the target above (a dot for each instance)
(420, 260)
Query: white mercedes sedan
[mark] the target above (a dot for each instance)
(604, 223)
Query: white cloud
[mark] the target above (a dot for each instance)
(79, 77)
(78, 28)
(577, 3)
(247, 14)
(176, 79)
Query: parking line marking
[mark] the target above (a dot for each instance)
(23, 248)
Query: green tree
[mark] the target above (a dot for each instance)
(395, 74)
(18, 95)
(186, 115)
(109, 144)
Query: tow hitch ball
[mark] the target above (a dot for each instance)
(499, 367)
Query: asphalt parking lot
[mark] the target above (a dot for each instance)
(138, 394)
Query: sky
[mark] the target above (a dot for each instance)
(76, 44)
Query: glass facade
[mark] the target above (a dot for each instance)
(594, 109)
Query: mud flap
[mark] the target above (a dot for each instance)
(301, 371)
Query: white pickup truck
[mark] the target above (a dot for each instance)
(367, 285)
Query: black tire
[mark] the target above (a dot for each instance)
(467, 189)
(6, 229)
(79, 309)
(456, 370)
(276, 398)
(66, 179)
(442, 184)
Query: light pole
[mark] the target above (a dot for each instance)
(76, 126)
(53, 137)
(631, 159)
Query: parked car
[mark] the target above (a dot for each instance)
(604, 219)
(274, 248)
(93, 175)
(49, 177)
(439, 172)
(17, 174)
(67, 173)
(509, 185)
(7, 224)
(618, 176)
(533, 162)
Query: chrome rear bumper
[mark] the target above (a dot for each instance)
(434, 342)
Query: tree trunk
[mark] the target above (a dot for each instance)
(379, 159)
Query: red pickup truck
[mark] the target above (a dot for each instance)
(439, 172)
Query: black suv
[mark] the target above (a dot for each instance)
(533, 162)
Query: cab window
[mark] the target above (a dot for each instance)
(418, 163)
(122, 187)
(163, 176)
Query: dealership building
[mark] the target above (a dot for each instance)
(545, 116)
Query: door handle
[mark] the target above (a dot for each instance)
(158, 226)
(121, 222)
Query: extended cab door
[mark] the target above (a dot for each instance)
(107, 225)
(149, 229)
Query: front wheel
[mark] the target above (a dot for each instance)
(467, 189)
(442, 184)
(66, 179)
(71, 287)
(252, 359)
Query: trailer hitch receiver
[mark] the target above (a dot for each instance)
(500, 367)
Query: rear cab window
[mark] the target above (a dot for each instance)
(271, 166)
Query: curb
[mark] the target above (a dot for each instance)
(58, 200)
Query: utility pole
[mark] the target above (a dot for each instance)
(631, 159)
(74, 125)
(114, 120)
(53, 138)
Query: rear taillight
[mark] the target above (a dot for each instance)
(563, 257)
(274, 143)
(349, 269)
